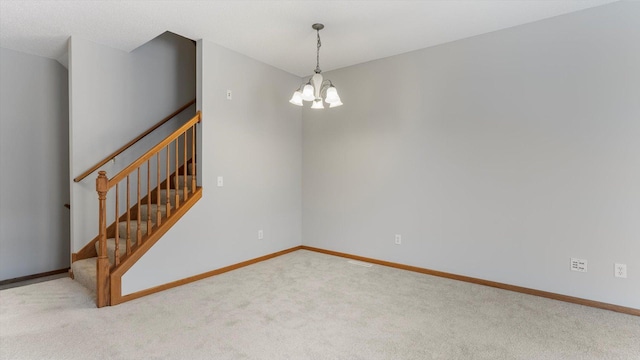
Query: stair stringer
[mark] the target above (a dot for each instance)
(116, 274)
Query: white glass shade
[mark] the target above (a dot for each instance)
(307, 93)
(296, 99)
(317, 104)
(332, 95)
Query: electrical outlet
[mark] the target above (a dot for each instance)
(220, 181)
(620, 270)
(578, 265)
(398, 239)
(229, 95)
(260, 235)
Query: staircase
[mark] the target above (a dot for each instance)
(144, 200)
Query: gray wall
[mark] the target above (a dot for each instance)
(254, 141)
(115, 96)
(497, 157)
(34, 167)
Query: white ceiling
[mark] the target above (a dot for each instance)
(278, 33)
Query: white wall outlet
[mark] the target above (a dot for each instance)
(220, 181)
(260, 235)
(578, 265)
(398, 239)
(620, 270)
(229, 95)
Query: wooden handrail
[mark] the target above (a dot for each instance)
(130, 143)
(152, 152)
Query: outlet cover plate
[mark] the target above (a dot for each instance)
(620, 270)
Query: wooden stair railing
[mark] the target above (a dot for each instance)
(176, 150)
(132, 142)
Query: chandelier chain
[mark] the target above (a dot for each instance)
(317, 71)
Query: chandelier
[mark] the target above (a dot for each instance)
(317, 88)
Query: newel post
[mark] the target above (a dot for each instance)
(102, 286)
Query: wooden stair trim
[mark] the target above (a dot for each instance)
(132, 142)
(519, 289)
(150, 239)
(191, 279)
(87, 251)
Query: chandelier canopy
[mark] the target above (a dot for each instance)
(317, 87)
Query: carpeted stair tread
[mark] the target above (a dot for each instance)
(172, 196)
(111, 248)
(133, 228)
(178, 180)
(85, 272)
(144, 212)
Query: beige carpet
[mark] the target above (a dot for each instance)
(306, 305)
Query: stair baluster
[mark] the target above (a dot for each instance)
(117, 237)
(138, 217)
(193, 158)
(128, 217)
(158, 212)
(177, 183)
(149, 196)
(168, 181)
(184, 161)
